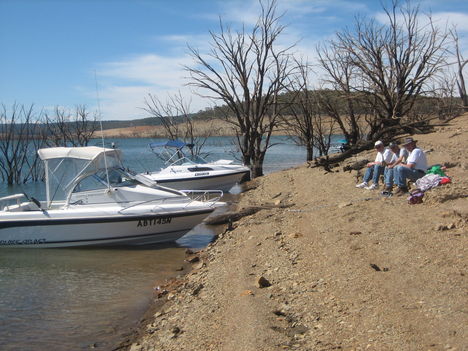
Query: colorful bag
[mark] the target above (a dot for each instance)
(416, 197)
(436, 169)
(428, 181)
(445, 180)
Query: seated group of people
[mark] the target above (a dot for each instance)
(397, 165)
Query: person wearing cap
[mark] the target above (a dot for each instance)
(376, 169)
(399, 155)
(414, 168)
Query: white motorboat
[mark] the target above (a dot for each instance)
(182, 171)
(92, 200)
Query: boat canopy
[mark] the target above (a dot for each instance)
(65, 167)
(84, 153)
(170, 143)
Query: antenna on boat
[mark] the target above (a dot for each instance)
(102, 133)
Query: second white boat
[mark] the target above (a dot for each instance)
(193, 172)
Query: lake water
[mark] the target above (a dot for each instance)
(78, 299)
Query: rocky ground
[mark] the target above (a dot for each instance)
(327, 266)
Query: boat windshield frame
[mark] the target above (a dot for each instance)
(117, 177)
(174, 155)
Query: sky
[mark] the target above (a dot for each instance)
(113, 53)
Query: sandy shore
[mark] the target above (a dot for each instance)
(335, 268)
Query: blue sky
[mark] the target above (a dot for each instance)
(51, 49)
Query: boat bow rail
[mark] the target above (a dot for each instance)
(209, 196)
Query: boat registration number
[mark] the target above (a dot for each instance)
(153, 221)
(201, 174)
(23, 242)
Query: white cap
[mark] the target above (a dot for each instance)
(378, 143)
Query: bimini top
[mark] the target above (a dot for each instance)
(170, 143)
(66, 167)
(84, 153)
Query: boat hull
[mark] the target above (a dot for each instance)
(48, 231)
(200, 181)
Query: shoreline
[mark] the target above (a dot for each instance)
(337, 268)
(154, 307)
(166, 286)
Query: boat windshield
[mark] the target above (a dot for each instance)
(117, 177)
(197, 159)
(171, 154)
(188, 161)
(64, 173)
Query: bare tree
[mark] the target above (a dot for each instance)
(83, 126)
(176, 118)
(16, 131)
(247, 72)
(299, 117)
(57, 127)
(304, 120)
(461, 63)
(341, 104)
(323, 132)
(38, 139)
(70, 129)
(22, 133)
(447, 105)
(392, 62)
(167, 113)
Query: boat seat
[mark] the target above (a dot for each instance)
(22, 207)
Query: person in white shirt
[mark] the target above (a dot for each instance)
(399, 155)
(376, 169)
(414, 168)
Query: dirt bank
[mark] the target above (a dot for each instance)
(340, 269)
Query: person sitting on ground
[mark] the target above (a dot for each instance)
(414, 168)
(376, 169)
(399, 155)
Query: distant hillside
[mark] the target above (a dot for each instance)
(149, 121)
(424, 104)
(202, 115)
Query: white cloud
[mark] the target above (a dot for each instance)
(178, 44)
(443, 21)
(124, 85)
(306, 7)
(440, 19)
(127, 102)
(457, 19)
(148, 69)
(247, 11)
(123, 102)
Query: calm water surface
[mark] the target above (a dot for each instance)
(70, 299)
(77, 299)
